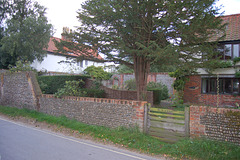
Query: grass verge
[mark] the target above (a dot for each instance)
(133, 138)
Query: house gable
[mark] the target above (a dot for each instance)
(54, 61)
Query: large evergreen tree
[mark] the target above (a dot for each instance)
(26, 32)
(138, 33)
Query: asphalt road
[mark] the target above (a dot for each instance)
(21, 142)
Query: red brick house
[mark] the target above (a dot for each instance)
(202, 88)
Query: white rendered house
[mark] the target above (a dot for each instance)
(54, 62)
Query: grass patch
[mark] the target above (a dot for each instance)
(133, 138)
(204, 149)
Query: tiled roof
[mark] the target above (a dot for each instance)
(233, 27)
(53, 49)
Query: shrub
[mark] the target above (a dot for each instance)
(160, 91)
(97, 73)
(130, 84)
(96, 93)
(71, 88)
(51, 84)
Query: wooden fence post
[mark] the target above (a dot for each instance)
(187, 121)
(145, 123)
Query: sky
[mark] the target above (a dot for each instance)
(63, 13)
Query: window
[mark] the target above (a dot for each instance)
(226, 85)
(80, 63)
(229, 51)
(86, 62)
(235, 50)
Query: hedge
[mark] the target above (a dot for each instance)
(96, 93)
(51, 84)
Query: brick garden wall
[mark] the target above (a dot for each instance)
(21, 90)
(164, 78)
(215, 123)
(96, 111)
(192, 94)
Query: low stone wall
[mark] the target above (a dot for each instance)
(215, 123)
(96, 111)
(21, 90)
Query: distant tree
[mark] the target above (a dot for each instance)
(26, 32)
(124, 69)
(155, 68)
(97, 73)
(138, 33)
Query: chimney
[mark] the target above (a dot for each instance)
(66, 30)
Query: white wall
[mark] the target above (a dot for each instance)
(51, 64)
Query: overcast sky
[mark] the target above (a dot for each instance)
(63, 13)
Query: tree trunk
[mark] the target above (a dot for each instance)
(141, 70)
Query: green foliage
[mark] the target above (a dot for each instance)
(214, 64)
(235, 60)
(202, 149)
(51, 84)
(179, 83)
(237, 74)
(160, 91)
(96, 93)
(124, 69)
(139, 33)
(181, 79)
(74, 88)
(20, 67)
(156, 68)
(130, 85)
(97, 73)
(26, 33)
(71, 88)
(96, 84)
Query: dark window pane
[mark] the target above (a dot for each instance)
(220, 85)
(213, 87)
(228, 86)
(235, 85)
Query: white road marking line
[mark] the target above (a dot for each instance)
(91, 145)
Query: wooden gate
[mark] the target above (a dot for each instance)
(168, 125)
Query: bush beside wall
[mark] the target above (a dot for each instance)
(50, 84)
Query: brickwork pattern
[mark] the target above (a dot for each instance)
(215, 123)
(164, 78)
(192, 94)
